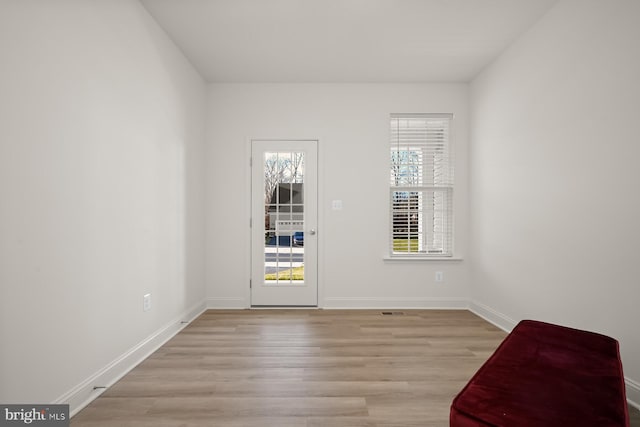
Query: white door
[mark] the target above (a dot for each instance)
(284, 217)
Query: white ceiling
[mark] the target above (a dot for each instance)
(344, 40)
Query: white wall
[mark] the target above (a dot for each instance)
(351, 122)
(101, 187)
(554, 171)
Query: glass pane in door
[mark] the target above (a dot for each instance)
(284, 218)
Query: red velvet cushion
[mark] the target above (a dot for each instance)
(546, 375)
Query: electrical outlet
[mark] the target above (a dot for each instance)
(146, 302)
(439, 276)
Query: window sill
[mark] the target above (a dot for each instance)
(420, 258)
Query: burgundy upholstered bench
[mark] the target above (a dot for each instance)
(546, 375)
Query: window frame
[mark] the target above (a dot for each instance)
(422, 169)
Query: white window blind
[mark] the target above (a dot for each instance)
(421, 187)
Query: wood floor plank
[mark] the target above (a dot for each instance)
(236, 407)
(303, 368)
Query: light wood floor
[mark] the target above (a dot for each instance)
(303, 368)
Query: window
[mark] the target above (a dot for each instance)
(421, 187)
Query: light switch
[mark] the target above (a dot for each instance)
(146, 302)
(336, 205)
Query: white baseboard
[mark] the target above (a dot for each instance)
(84, 393)
(492, 316)
(358, 303)
(227, 302)
(507, 324)
(633, 392)
(395, 302)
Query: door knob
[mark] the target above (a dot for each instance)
(312, 232)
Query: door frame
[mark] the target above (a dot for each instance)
(320, 224)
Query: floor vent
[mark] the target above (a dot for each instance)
(392, 313)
